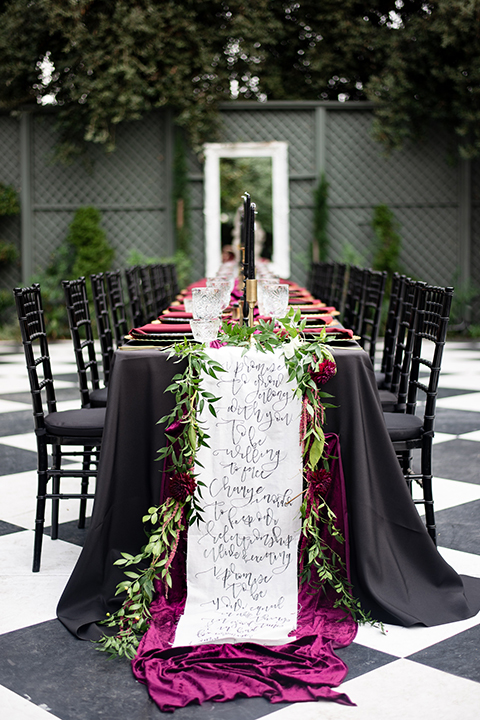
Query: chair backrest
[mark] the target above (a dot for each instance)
(28, 302)
(146, 292)
(132, 277)
(371, 309)
(116, 300)
(104, 323)
(404, 344)
(160, 287)
(322, 280)
(81, 331)
(431, 323)
(352, 316)
(395, 300)
(172, 278)
(337, 298)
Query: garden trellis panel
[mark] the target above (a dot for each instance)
(436, 202)
(130, 187)
(10, 175)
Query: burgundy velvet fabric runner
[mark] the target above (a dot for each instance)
(306, 669)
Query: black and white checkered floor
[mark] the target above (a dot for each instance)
(44, 671)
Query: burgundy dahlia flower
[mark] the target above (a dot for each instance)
(181, 486)
(318, 482)
(326, 370)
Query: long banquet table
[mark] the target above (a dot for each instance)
(396, 570)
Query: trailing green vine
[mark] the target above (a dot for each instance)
(185, 435)
(132, 619)
(309, 366)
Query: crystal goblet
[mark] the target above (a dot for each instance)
(224, 287)
(206, 303)
(205, 330)
(275, 300)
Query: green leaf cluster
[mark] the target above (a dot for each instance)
(387, 245)
(181, 195)
(92, 253)
(83, 252)
(132, 619)
(431, 76)
(320, 221)
(238, 174)
(115, 60)
(8, 253)
(190, 399)
(168, 521)
(9, 204)
(323, 565)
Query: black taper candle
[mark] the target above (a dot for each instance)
(251, 245)
(246, 241)
(246, 232)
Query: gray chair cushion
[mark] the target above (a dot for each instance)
(388, 400)
(401, 426)
(85, 422)
(98, 398)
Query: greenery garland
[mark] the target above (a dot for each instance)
(309, 365)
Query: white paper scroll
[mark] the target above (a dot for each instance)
(242, 561)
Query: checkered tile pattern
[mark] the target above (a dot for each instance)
(45, 672)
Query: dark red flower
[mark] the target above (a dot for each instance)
(181, 485)
(326, 370)
(318, 482)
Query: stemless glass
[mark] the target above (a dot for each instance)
(206, 303)
(224, 287)
(275, 300)
(205, 330)
(260, 294)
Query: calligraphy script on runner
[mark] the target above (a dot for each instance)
(242, 560)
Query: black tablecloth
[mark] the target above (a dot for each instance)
(397, 572)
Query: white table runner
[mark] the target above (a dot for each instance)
(242, 580)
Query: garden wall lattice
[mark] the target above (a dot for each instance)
(131, 187)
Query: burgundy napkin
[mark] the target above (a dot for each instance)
(327, 310)
(154, 328)
(175, 314)
(312, 307)
(345, 332)
(307, 300)
(322, 320)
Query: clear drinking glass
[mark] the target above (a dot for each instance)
(188, 304)
(275, 300)
(205, 330)
(206, 303)
(224, 287)
(260, 295)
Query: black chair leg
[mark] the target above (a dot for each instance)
(405, 460)
(39, 520)
(427, 488)
(37, 547)
(429, 512)
(56, 465)
(83, 512)
(83, 502)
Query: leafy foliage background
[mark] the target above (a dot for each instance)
(114, 60)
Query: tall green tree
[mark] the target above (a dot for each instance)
(115, 60)
(329, 48)
(432, 75)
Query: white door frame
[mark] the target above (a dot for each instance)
(278, 151)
